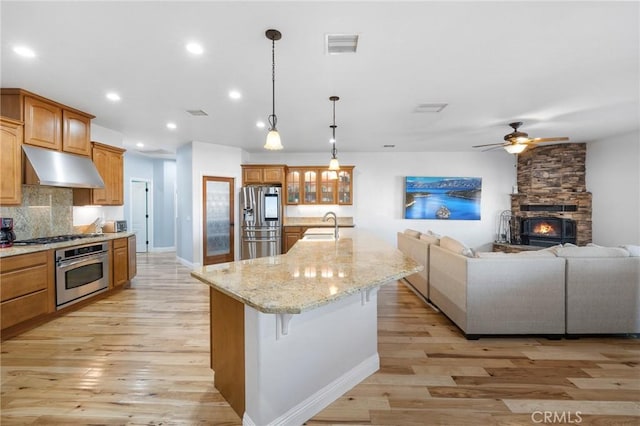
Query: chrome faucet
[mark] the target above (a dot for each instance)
(332, 215)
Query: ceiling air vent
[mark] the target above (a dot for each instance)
(197, 112)
(430, 107)
(341, 43)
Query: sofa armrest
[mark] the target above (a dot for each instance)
(417, 250)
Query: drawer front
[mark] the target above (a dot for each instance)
(24, 261)
(23, 308)
(120, 242)
(23, 281)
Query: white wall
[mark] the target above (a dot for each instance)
(613, 177)
(379, 189)
(202, 159)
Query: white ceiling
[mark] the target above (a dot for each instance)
(563, 68)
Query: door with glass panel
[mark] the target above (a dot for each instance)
(217, 216)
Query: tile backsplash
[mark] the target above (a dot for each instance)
(45, 211)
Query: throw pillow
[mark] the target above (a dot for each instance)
(412, 233)
(634, 251)
(430, 239)
(453, 245)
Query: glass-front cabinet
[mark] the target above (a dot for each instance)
(318, 185)
(344, 187)
(293, 182)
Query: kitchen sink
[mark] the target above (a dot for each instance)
(318, 237)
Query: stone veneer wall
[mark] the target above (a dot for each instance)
(555, 175)
(45, 211)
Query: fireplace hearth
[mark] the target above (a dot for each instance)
(547, 231)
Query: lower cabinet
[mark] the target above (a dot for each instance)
(290, 235)
(133, 263)
(26, 287)
(120, 266)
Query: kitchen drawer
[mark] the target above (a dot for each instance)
(23, 308)
(23, 281)
(24, 261)
(120, 243)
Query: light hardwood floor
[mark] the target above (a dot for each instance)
(140, 357)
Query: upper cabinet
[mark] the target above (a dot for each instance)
(48, 124)
(256, 174)
(318, 185)
(10, 162)
(110, 164)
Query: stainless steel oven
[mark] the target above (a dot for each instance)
(81, 271)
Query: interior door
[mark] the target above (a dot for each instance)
(140, 214)
(217, 219)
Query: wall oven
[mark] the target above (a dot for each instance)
(81, 272)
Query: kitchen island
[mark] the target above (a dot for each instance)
(291, 333)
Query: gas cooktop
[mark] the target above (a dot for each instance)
(54, 239)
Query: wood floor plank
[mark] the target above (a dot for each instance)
(141, 357)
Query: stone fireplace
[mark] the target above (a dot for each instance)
(551, 184)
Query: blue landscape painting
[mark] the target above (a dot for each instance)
(452, 198)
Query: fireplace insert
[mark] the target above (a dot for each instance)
(547, 231)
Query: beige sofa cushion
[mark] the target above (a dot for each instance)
(456, 246)
(429, 239)
(634, 251)
(592, 251)
(412, 233)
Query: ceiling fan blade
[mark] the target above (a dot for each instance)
(489, 144)
(539, 140)
(493, 148)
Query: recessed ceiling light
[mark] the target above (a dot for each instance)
(172, 126)
(140, 145)
(260, 124)
(113, 96)
(24, 51)
(195, 48)
(234, 94)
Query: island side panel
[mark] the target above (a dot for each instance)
(328, 350)
(227, 348)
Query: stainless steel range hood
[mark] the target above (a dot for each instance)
(55, 168)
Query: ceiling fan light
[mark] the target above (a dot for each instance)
(515, 148)
(273, 140)
(521, 139)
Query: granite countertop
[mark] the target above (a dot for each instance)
(17, 250)
(317, 222)
(311, 274)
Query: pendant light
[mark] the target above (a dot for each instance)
(333, 164)
(273, 137)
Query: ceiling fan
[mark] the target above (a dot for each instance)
(516, 142)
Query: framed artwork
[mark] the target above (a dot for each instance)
(452, 198)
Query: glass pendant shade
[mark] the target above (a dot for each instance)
(516, 148)
(273, 140)
(334, 164)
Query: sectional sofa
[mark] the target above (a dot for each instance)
(553, 292)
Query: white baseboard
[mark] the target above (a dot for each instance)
(317, 402)
(187, 263)
(161, 249)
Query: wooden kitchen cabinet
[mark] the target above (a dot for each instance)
(256, 174)
(120, 267)
(26, 288)
(110, 164)
(10, 161)
(133, 262)
(290, 235)
(48, 124)
(318, 185)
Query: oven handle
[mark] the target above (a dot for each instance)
(66, 263)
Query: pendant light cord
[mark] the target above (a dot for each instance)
(272, 118)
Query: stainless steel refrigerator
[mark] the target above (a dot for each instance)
(261, 228)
